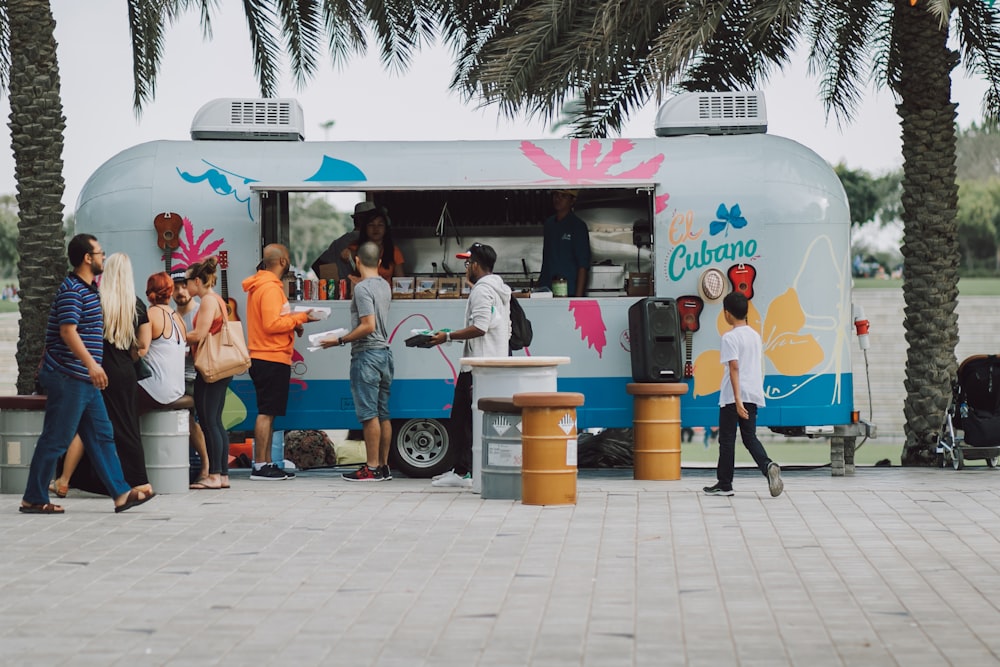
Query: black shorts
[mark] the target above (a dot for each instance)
(271, 380)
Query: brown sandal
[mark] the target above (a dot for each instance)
(43, 508)
(134, 500)
(60, 491)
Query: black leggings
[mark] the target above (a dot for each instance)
(209, 399)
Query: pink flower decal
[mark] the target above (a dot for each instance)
(191, 249)
(587, 165)
(590, 322)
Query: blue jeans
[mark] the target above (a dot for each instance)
(371, 380)
(73, 406)
(728, 422)
(209, 399)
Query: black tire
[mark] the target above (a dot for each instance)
(420, 447)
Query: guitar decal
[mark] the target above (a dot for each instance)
(231, 313)
(168, 230)
(689, 307)
(742, 277)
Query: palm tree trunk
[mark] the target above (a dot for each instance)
(36, 127)
(930, 240)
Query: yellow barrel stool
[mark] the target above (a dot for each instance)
(657, 429)
(548, 437)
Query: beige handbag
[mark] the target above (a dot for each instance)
(223, 354)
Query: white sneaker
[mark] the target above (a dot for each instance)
(444, 474)
(451, 479)
(774, 483)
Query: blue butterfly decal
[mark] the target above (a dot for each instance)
(727, 217)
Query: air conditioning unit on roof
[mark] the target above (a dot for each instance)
(250, 120)
(739, 112)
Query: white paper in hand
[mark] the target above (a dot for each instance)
(316, 338)
(318, 311)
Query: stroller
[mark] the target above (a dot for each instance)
(975, 411)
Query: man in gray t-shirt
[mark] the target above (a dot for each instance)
(371, 364)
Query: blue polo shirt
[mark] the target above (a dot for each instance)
(77, 303)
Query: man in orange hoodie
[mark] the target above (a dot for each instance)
(271, 329)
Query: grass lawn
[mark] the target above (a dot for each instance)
(8, 307)
(966, 286)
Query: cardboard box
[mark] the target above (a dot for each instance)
(639, 284)
(426, 288)
(402, 287)
(328, 272)
(449, 288)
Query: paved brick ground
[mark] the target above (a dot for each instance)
(889, 567)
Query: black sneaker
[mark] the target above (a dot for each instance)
(716, 490)
(268, 472)
(288, 473)
(386, 473)
(364, 474)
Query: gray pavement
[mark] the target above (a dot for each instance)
(888, 567)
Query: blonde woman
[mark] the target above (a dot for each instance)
(126, 332)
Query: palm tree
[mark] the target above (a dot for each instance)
(29, 71)
(611, 57)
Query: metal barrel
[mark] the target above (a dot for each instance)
(165, 445)
(548, 432)
(501, 476)
(657, 429)
(21, 420)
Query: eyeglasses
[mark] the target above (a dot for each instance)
(97, 252)
(467, 263)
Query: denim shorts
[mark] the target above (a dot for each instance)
(371, 378)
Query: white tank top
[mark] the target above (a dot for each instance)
(166, 358)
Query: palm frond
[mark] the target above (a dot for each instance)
(263, 44)
(4, 47)
(841, 33)
(978, 30)
(146, 24)
(345, 22)
(302, 29)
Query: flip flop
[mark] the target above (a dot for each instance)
(133, 500)
(60, 491)
(45, 508)
(200, 484)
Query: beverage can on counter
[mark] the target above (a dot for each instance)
(298, 288)
(307, 290)
(331, 289)
(342, 289)
(321, 291)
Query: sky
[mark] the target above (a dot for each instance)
(366, 102)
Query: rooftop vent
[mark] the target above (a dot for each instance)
(713, 113)
(249, 120)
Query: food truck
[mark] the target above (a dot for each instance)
(710, 204)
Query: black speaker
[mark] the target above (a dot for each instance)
(655, 338)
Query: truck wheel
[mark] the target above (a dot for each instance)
(421, 447)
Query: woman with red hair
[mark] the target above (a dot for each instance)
(167, 348)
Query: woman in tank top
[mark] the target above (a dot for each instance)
(166, 350)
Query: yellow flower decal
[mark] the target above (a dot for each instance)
(790, 352)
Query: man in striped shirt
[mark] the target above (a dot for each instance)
(73, 378)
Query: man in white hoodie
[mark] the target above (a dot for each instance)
(486, 334)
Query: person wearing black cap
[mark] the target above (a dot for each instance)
(187, 307)
(335, 253)
(486, 334)
(565, 246)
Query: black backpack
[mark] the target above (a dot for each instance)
(520, 326)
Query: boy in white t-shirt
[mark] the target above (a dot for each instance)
(742, 392)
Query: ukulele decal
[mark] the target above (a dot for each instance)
(742, 277)
(231, 315)
(168, 230)
(689, 308)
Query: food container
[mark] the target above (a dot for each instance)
(606, 278)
